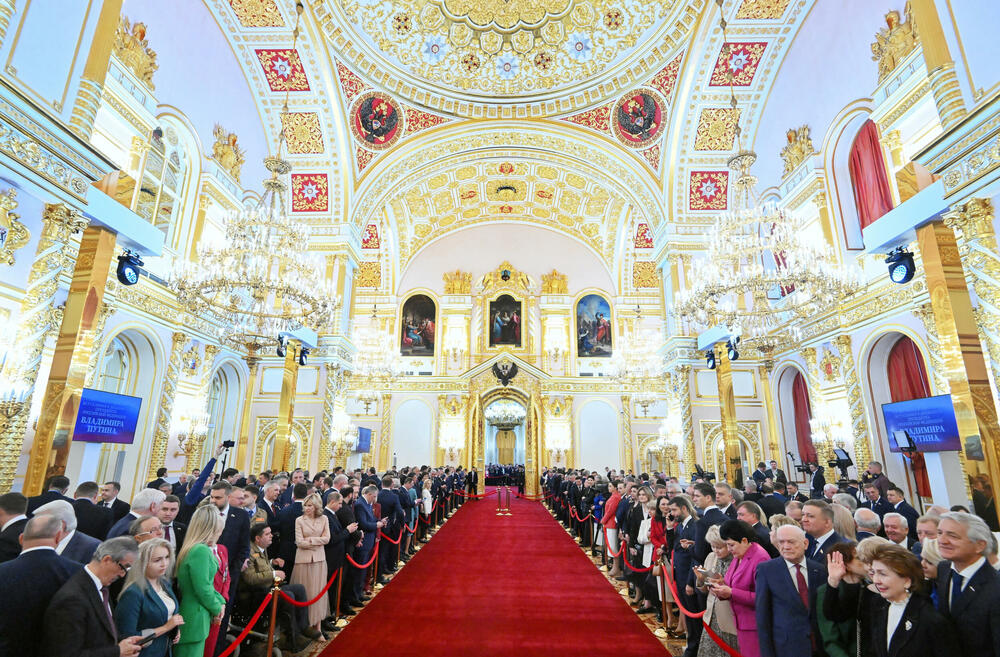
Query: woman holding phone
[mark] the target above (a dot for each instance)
(147, 605)
(739, 585)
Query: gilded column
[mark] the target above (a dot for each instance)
(773, 439)
(855, 402)
(161, 433)
(824, 449)
(940, 67)
(627, 432)
(286, 406)
(680, 384)
(727, 416)
(68, 372)
(244, 447)
(107, 310)
(332, 399)
(385, 445)
(939, 378)
(88, 98)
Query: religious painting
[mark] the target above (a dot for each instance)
(593, 327)
(506, 321)
(417, 331)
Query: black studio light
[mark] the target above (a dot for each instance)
(129, 268)
(731, 349)
(280, 351)
(901, 266)
(303, 355)
(710, 358)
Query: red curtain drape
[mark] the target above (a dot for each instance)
(908, 380)
(803, 413)
(869, 179)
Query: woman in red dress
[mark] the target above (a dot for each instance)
(221, 584)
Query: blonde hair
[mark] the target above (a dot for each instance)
(427, 484)
(780, 520)
(867, 548)
(317, 503)
(713, 537)
(137, 573)
(929, 550)
(205, 526)
(843, 522)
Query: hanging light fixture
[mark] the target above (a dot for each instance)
(505, 415)
(376, 363)
(259, 281)
(764, 271)
(636, 363)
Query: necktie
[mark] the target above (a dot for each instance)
(956, 588)
(166, 533)
(106, 598)
(800, 581)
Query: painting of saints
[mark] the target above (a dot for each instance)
(593, 327)
(505, 321)
(417, 327)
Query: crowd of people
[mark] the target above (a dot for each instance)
(182, 567)
(849, 569)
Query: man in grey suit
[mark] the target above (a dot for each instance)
(74, 545)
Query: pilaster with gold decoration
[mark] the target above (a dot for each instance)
(629, 463)
(336, 387)
(161, 432)
(15, 233)
(824, 450)
(855, 401)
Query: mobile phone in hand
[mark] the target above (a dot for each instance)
(149, 638)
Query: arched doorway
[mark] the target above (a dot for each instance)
(225, 401)
(795, 412)
(504, 423)
(897, 372)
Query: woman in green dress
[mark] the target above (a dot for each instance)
(201, 604)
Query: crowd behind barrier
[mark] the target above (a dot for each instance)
(852, 569)
(213, 563)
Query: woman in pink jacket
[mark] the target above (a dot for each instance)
(738, 585)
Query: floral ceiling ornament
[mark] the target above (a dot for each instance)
(283, 69)
(488, 46)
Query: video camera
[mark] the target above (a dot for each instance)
(843, 461)
(701, 473)
(803, 468)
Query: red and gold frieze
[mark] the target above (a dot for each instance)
(257, 13)
(350, 83)
(417, 120)
(762, 9)
(643, 236)
(666, 79)
(739, 60)
(364, 157)
(370, 239)
(310, 192)
(708, 190)
(283, 69)
(598, 118)
(652, 156)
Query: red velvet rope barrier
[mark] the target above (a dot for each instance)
(535, 498)
(318, 597)
(365, 565)
(611, 553)
(629, 566)
(668, 576)
(246, 630)
(396, 542)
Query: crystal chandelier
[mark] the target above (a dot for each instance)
(343, 433)
(636, 364)
(376, 362)
(505, 415)
(558, 439)
(260, 281)
(763, 272)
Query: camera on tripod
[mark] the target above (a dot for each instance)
(842, 462)
(803, 468)
(701, 473)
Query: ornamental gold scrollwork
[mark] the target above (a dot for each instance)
(894, 42)
(13, 234)
(855, 402)
(798, 148)
(132, 48)
(555, 283)
(227, 152)
(505, 276)
(457, 282)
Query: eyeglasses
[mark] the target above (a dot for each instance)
(125, 567)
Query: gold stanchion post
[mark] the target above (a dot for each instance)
(275, 592)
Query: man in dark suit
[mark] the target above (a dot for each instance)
(28, 583)
(769, 502)
(78, 620)
(12, 522)
(868, 524)
(173, 531)
(792, 489)
(334, 549)
(407, 504)
(286, 526)
(392, 513)
(287, 496)
(776, 474)
(268, 501)
(236, 537)
(786, 599)
(109, 500)
(91, 519)
(683, 561)
(472, 483)
(897, 530)
(58, 485)
(180, 489)
(159, 481)
(875, 501)
(817, 521)
(704, 499)
(750, 513)
(724, 499)
(74, 544)
(759, 475)
(345, 515)
(365, 515)
(816, 481)
(968, 587)
(899, 504)
(145, 503)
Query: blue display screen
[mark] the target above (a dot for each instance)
(929, 421)
(105, 417)
(364, 440)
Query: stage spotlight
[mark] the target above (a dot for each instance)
(731, 350)
(710, 358)
(303, 355)
(280, 351)
(901, 266)
(129, 268)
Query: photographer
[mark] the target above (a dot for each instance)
(199, 489)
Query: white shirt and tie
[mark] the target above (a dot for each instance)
(966, 574)
(819, 544)
(170, 534)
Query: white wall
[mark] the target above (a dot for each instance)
(597, 434)
(412, 433)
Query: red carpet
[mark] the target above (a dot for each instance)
(495, 586)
